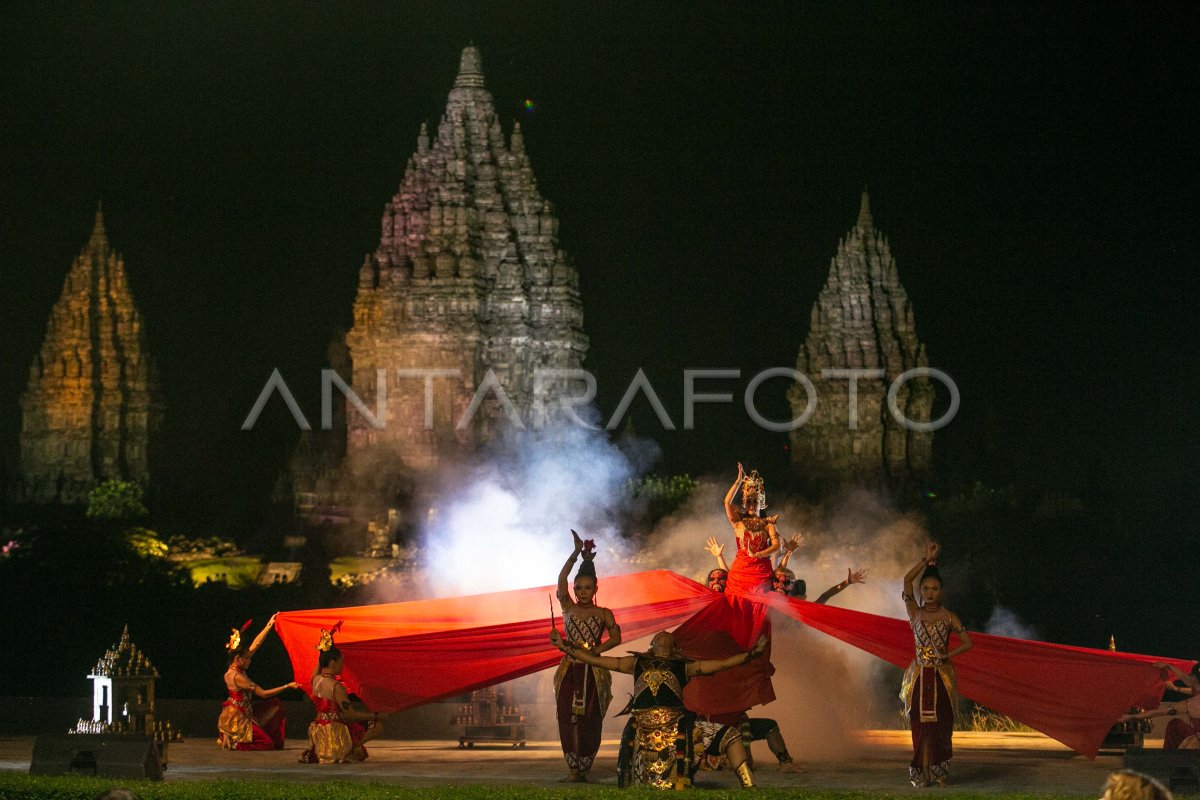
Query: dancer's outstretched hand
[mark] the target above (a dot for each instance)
(741, 471)
(856, 576)
(713, 547)
(793, 543)
(931, 550)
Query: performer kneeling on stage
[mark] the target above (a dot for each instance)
(245, 724)
(339, 732)
(668, 742)
(583, 692)
(929, 688)
(1183, 731)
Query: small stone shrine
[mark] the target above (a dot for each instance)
(123, 696)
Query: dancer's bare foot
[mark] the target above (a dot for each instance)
(572, 778)
(792, 766)
(582, 777)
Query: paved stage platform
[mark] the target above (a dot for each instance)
(984, 762)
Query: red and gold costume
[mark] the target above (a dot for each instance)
(929, 692)
(582, 694)
(747, 574)
(248, 725)
(1183, 733)
(332, 738)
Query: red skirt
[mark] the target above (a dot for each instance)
(749, 575)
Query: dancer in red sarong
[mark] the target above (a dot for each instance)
(929, 688)
(1183, 731)
(245, 724)
(757, 537)
(583, 692)
(339, 733)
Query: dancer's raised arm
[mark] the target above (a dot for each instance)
(906, 591)
(731, 511)
(789, 547)
(262, 635)
(564, 597)
(718, 551)
(853, 576)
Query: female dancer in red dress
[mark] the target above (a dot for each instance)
(582, 692)
(929, 688)
(757, 537)
(245, 724)
(339, 732)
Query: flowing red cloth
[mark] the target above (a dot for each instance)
(400, 655)
(729, 625)
(1072, 694)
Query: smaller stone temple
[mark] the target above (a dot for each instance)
(862, 320)
(123, 694)
(92, 406)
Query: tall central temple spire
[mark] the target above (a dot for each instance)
(468, 275)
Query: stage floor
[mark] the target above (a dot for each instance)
(984, 762)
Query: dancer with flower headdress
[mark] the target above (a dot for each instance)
(245, 724)
(583, 692)
(757, 536)
(339, 732)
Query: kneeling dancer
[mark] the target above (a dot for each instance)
(339, 733)
(668, 742)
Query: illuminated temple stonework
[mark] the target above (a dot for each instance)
(468, 276)
(92, 405)
(862, 320)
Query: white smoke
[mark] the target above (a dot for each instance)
(1004, 622)
(506, 523)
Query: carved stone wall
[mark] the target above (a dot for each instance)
(468, 275)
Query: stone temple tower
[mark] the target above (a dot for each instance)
(862, 320)
(92, 407)
(468, 276)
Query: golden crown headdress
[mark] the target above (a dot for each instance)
(753, 487)
(326, 640)
(235, 636)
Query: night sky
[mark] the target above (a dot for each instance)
(1033, 167)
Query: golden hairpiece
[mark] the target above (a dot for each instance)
(326, 640)
(235, 636)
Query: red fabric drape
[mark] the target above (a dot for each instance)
(731, 624)
(1072, 694)
(400, 655)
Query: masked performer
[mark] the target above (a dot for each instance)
(245, 724)
(583, 692)
(666, 743)
(757, 537)
(928, 690)
(1183, 731)
(339, 733)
